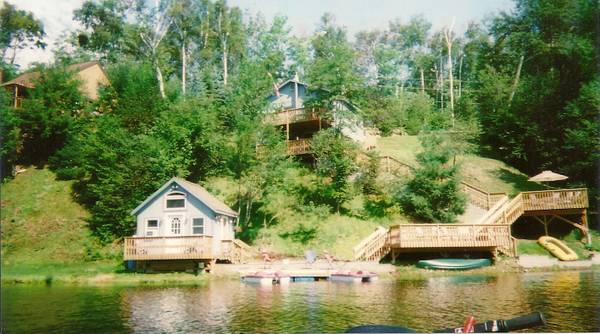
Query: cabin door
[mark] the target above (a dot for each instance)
(175, 225)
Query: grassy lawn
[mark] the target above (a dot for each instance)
(489, 174)
(42, 223)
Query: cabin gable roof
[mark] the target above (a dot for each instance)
(195, 190)
(27, 80)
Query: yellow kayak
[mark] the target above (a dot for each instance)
(558, 248)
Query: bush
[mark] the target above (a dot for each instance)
(433, 192)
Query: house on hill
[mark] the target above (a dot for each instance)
(286, 110)
(182, 221)
(91, 74)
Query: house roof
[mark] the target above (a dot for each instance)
(197, 191)
(27, 79)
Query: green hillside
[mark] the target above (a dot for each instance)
(42, 223)
(489, 174)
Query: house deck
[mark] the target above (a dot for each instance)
(492, 232)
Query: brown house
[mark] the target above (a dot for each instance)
(90, 73)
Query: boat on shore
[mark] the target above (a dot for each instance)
(558, 248)
(353, 276)
(267, 278)
(454, 264)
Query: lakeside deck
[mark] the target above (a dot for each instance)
(184, 248)
(492, 232)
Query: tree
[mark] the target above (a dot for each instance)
(9, 136)
(228, 29)
(105, 28)
(18, 29)
(541, 58)
(335, 158)
(433, 192)
(333, 74)
(49, 113)
(154, 23)
(188, 20)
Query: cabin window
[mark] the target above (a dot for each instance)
(198, 226)
(175, 201)
(151, 227)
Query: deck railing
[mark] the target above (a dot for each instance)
(449, 236)
(372, 247)
(559, 199)
(168, 248)
(507, 213)
(236, 251)
(480, 197)
(299, 146)
(294, 116)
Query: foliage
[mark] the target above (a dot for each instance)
(18, 29)
(49, 114)
(335, 161)
(433, 192)
(133, 96)
(533, 122)
(332, 74)
(10, 138)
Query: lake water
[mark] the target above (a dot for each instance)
(569, 300)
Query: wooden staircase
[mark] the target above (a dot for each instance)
(491, 231)
(374, 247)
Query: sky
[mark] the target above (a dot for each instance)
(303, 15)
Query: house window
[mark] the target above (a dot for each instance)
(151, 227)
(198, 226)
(175, 225)
(175, 201)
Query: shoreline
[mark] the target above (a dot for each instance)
(109, 272)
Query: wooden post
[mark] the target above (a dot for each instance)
(16, 96)
(287, 126)
(545, 225)
(587, 230)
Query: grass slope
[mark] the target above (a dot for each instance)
(41, 222)
(489, 174)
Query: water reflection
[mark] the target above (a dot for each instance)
(570, 301)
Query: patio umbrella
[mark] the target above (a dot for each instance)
(548, 176)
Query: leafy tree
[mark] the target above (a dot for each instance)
(49, 113)
(133, 96)
(18, 29)
(541, 58)
(335, 158)
(9, 136)
(433, 193)
(105, 28)
(333, 74)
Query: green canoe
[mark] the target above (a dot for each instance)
(454, 264)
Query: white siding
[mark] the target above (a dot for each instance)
(156, 209)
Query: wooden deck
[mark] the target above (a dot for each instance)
(491, 232)
(183, 248)
(295, 116)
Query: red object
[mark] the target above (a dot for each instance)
(469, 326)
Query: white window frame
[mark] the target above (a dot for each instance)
(180, 228)
(155, 230)
(176, 195)
(203, 226)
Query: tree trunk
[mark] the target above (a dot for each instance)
(516, 82)
(159, 78)
(460, 76)
(422, 81)
(225, 62)
(183, 67)
(447, 34)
